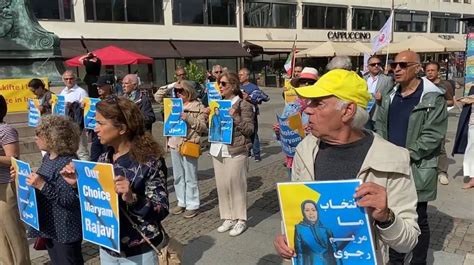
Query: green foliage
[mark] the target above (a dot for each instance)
(195, 73)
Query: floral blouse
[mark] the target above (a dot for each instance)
(148, 182)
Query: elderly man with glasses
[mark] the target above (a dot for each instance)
(376, 83)
(132, 92)
(413, 115)
(74, 96)
(339, 148)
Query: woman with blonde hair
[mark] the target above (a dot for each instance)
(59, 212)
(231, 164)
(140, 180)
(185, 165)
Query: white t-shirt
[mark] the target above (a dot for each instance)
(74, 94)
(372, 84)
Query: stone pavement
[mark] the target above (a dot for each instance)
(449, 235)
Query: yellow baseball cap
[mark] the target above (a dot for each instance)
(343, 84)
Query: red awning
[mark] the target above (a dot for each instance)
(112, 55)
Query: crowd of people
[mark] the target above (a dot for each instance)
(387, 130)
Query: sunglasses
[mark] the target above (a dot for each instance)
(374, 64)
(179, 91)
(69, 78)
(218, 72)
(403, 65)
(222, 83)
(306, 82)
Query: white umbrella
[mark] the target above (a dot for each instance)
(330, 48)
(424, 44)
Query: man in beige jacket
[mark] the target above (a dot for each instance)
(339, 148)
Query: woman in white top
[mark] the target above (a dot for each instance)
(231, 165)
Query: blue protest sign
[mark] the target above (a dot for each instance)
(324, 224)
(99, 204)
(291, 133)
(220, 122)
(173, 124)
(34, 115)
(26, 195)
(213, 92)
(58, 104)
(89, 112)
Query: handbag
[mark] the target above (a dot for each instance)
(169, 251)
(40, 243)
(190, 149)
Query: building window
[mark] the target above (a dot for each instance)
(467, 1)
(204, 12)
(411, 21)
(270, 15)
(53, 9)
(444, 23)
(324, 17)
(369, 19)
(131, 11)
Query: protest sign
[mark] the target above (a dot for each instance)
(324, 224)
(99, 204)
(290, 96)
(213, 92)
(58, 104)
(34, 114)
(26, 195)
(291, 133)
(89, 112)
(173, 124)
(17, 93)
(220, 122)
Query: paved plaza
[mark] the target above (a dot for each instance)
(451, 215)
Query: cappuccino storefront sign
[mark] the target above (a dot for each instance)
(349, 35)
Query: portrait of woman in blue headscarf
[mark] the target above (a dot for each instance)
(312, 245)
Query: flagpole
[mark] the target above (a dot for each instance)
(293, 60)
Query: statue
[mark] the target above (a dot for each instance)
(26, 49)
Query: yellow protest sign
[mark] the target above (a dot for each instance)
(16, 93)
(290, 96)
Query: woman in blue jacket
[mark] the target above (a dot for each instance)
(312, 245)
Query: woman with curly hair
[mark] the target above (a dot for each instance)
(58, 202)
(140, 180)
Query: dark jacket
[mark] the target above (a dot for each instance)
(460, 142)
(148, 182)
(59, 211)
(75, 111)
(144, 103)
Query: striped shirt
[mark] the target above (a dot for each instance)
(8, 135)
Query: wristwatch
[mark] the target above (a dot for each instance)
(389, 222)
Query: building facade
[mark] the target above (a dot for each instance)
(211, 32)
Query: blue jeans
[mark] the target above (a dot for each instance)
(185, 180)
(142, 259)
(255, 140)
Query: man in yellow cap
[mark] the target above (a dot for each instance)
(338, 148)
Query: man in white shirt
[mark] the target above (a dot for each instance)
(73, 93)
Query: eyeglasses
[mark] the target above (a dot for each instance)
(69, 78)
(403, 65)
(222, 83)
(374, 64)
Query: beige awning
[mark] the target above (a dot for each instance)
(424, 44)
(282, 46)
(330, 48)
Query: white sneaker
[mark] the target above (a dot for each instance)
(238, 229)
(226, 226)
(443, 178)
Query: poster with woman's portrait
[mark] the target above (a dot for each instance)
(220, 122)
(324, 225)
